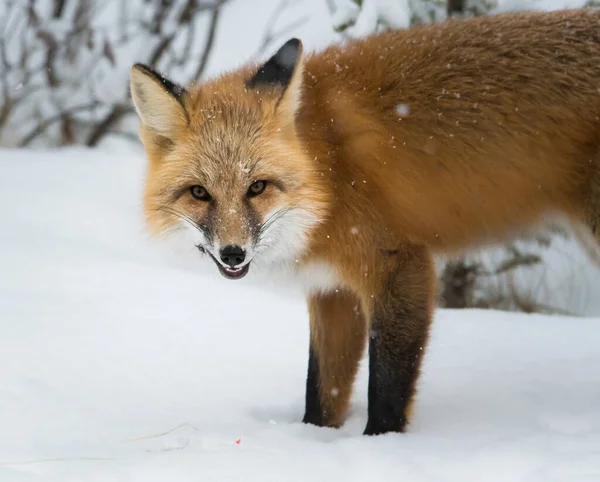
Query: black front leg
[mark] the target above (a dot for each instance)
(400, 320)
(314, 411)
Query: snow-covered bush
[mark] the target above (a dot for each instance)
(362, 17)
(64, 63)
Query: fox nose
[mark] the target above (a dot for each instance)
(233, 255)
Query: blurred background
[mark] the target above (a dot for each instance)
(64, 68)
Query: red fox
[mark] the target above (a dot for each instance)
(351, 168)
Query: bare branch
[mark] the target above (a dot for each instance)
(160, 49)
(458, 280)
(5, 110)
(68, 62)
(51, 49)
(42, 126)
(270, 34)
(455, 7)
(210, 40)
(59, 6)
(518, 260)
(6, 106)
(115, 115)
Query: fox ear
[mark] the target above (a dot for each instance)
(158, 101)
(283, 71)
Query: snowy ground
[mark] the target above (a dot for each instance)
(107, 342)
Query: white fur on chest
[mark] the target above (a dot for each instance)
(308, 278)
(316, 277)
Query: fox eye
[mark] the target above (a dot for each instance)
(200, 193)
(257, 188)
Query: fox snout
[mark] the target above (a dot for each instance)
(232, 255)
(232, 258)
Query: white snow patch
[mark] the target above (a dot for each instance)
(372, 15)
(118, 363)
(533, 5)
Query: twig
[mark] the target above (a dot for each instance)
(160, 50)
(59, 6)
(269, 35)
(42, 126)
(455, 7)
(7, 102)
(210, 40)
(291, 26)
(116, 114)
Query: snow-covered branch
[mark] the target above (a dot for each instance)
(64, 63)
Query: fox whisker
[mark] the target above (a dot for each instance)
(271, 220)
(183, 217)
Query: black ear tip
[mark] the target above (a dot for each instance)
(294, 42)
(141, 67)
(287, 55)
(172, 88)
(278, 70)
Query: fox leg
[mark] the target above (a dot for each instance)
(400, 318)
(337, 341)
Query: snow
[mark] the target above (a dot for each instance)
(538, 5)
(122, 360)
(403, 110)
(366, 20)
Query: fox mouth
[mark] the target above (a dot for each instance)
(229, 273)
(233, 273)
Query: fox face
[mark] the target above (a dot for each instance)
(225, 163)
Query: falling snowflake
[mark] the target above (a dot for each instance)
(403, 110)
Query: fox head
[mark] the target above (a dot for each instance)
(225, 162)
